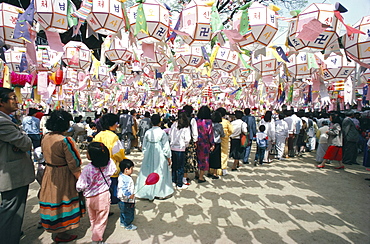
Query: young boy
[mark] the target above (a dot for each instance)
(261, 137)
(126, 194)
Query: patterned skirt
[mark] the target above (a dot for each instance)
(191, 164)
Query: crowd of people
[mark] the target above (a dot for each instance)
(173, 146)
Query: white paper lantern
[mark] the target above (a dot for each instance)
(8, 19)
(325, 14)
(77, 55)
(13, 58)
(298, 66)
(52, 14)
(358, 44)
(106, 17)
(337, 67)
(196, 22)
(157, 18)
(189, 57)
(263, 26)
(119, 50)
(226, 60)
(266, 65)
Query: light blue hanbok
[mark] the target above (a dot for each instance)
(156, 149)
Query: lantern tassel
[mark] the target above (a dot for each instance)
(18, 93)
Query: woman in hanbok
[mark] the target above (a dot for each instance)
(157, 158)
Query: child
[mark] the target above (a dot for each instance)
(126, 194)
(91, 132)
(261, 138)
(95, 182)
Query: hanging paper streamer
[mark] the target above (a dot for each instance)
(141, 25)
(244, 21)
(21, 30)
(216, 23)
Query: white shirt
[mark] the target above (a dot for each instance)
(270, 129)
(179, 139)
(281, 128)
(238, 127)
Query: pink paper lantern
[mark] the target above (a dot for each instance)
(106, 17)
(77, 55)
(358, 44)
(325, 14)
(196, 22)
(8, 19)
(52, 14)
(263, 26)
(157, 18)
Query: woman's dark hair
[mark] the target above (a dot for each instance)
(222, 111)
(125, 164)
(99, 154)
(188, 110)
(156, 119)
(182, 121)
(88, 120)
(108, 120)
(262, 128)
(58, 121)
(268, 116)
(216, 117)
(335, 119)
(204, 112)
(77, 119)
(4, 94)
(238, 114)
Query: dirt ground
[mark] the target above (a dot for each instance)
(283, 202)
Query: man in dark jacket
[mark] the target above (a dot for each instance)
(350, 138)
(16, 170)
(251, 122)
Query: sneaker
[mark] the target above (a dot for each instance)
(131, 227)
(224, 172)
(182, 187)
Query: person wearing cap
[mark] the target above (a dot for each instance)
(350, 139)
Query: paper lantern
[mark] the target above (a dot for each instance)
(44, 56)
(265, 65)
(13, 58)
(263, 26)
(52, 14)
(298, 66)
(196, 23)
(226, 60)
(325, 14)
(157, 18)
(337, 67)
(8, 19)
(77, 55)
(159, 60)
(189, 57)
(119, 51)
(358, 45)
(171, 77)
(106, 17)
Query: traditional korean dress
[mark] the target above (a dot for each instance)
(156, 150)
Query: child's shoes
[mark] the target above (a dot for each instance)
(130, 227)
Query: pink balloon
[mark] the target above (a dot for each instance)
(152, 179)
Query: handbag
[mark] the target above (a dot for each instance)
(244, 139)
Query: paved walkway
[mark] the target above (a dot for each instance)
(283, 202)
